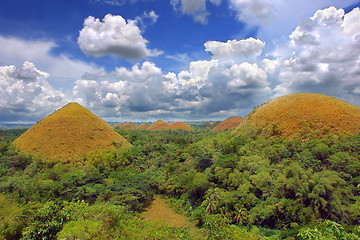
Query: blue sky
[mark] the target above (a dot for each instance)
(143, 60)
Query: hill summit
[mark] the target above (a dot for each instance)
(229, 123)
(69, 134)
(305, 115)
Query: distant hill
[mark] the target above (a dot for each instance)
(161, 125)
(158, 125)
(210, 124)
(304, 115)
(69, 134)
(229, 123)
(126, 125)
(143, 126)
(14, 125)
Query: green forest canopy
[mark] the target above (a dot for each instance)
(233, 187)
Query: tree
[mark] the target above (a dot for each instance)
(212, 199)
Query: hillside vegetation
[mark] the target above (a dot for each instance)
(305, 115)
(246, 184)
(69, 134)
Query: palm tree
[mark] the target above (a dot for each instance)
(212, 200)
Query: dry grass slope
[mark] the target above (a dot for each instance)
(69, 134)
(229, 123)
(305, 115)
(161, 125)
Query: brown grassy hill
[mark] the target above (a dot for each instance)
(158, 125)
(161, 125)
(180, 125)
(126, 125)
(69, 134)
(143, 126)
(305, 115)
(229, 123)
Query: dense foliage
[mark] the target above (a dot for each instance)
(233, 187)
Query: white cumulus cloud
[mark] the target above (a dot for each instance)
(114, 36)
(254, 11)
(26, 94)
(39, 52)
(245, 77)
(235, 49)
(326, 50)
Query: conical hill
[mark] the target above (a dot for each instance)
(229, 123)
(69, 134)
(180, 125)
(158, 125)
(305, 115)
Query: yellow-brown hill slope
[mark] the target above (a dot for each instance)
(305, 115)
(229, 123)
(69, 134)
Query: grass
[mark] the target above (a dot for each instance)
(69, 134)
(305, 115)
(160, 214)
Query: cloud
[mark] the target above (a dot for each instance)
(270, 66)
(207, 88)
(235, 49)
(195, 8)
(321, 55)
(114, 36)
(25, 93)
(148, 18)
(259, 12)
(132, 91)
(39, 52)
(115, 3)
(326, 50)
(350, 24)
(246, 76)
